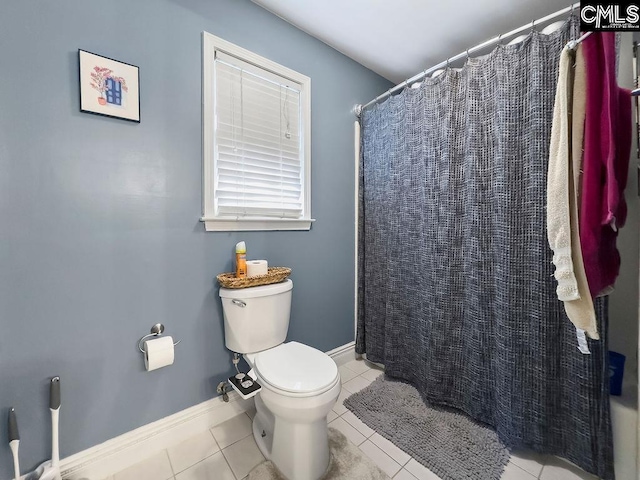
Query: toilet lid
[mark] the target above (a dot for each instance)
(298, 368)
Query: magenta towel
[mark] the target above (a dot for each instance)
(607, 146)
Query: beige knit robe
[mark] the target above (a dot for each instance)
(563, 190)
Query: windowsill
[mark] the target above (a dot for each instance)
(257, 224)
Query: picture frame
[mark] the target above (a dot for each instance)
(109, 87)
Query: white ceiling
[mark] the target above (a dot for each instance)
(399, 38)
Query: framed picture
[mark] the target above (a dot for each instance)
(109, 87)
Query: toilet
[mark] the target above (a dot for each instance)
(300, 384)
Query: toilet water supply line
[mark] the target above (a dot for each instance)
(235, 361)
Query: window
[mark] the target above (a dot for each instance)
(257, 165)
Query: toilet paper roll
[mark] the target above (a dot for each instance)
(257, 267)
(158, 353)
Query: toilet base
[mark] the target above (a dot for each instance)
(262, 427)
(296, 441)
(301, 450)
(303, 463)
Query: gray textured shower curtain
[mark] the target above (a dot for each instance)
(456, 293)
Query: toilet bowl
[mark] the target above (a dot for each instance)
(300, 384)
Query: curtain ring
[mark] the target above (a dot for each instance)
(467, 54)
(447, 63)
(500, 39)
(533, 24)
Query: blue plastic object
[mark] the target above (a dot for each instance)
(616, 372)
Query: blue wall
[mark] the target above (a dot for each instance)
(100, 237)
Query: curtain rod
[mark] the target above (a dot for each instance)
(358, 108)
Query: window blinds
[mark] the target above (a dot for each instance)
(258, 149)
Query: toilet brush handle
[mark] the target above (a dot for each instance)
(15, 445)
(54, 407)
(55, 453)
(14, 441)
(54, 393)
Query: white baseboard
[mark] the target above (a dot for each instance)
(343, 354)
(114, 455)
(132, 447)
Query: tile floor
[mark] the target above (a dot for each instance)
(228, 451)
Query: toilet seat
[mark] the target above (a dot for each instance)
(296, 370)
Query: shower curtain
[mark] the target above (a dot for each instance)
(456, 292)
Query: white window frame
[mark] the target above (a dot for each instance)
(213, 222)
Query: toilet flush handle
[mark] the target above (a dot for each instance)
(239, 303)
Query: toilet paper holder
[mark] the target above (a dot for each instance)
(156, 331)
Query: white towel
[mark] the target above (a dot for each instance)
(563, 190)
(558, 209)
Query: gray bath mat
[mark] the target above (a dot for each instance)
(447, 442)
(347, 463)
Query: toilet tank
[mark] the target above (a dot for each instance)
(256, 318)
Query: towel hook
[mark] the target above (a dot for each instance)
(156, 331)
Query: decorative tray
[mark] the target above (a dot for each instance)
(275, 275)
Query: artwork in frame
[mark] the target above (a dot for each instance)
(109, 87)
